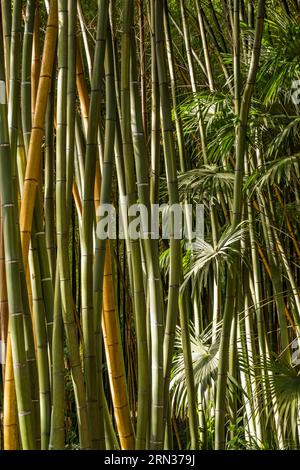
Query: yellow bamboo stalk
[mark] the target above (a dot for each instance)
(35, 146)
(112, 345)
(110, 321)
(10, 414)
(77, 199)
(114, 354)
(112, 342)
(35, 75)
(10, 423)
(3, 300)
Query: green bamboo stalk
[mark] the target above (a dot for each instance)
(39, 264)
(13, 123)
(14, 81)
(10, 212)
(137, 276)
(49, 183)
(142, 67)
(171, 64)
(6, 17)
(237, 205)
(36, 61)
(71, 100)
(39, 320)
(100, 246)
(61, 227)
(208, 64)
(86, 43)
(170, 163)
(154, 284)
(26, 72)
(88, 214)
(57, 437)
(175, 276)
(155, 117)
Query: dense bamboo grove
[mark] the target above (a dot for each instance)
(139, 342)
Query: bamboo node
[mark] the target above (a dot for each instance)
(16, 314)
(24, 413)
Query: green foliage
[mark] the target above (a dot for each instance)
(205, 365)
(205, 256)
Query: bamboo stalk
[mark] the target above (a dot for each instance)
(61, 228)
(34, 153)
(88, 322)
(237, 205)
(9, 212)
(10, 414)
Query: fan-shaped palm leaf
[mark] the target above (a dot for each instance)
(205, 367)
(204, 256)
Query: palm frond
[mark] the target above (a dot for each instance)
(204, 183)
(205, 367)
(274, 172)
(205, 257)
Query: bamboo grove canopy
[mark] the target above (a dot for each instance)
(141, 342)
